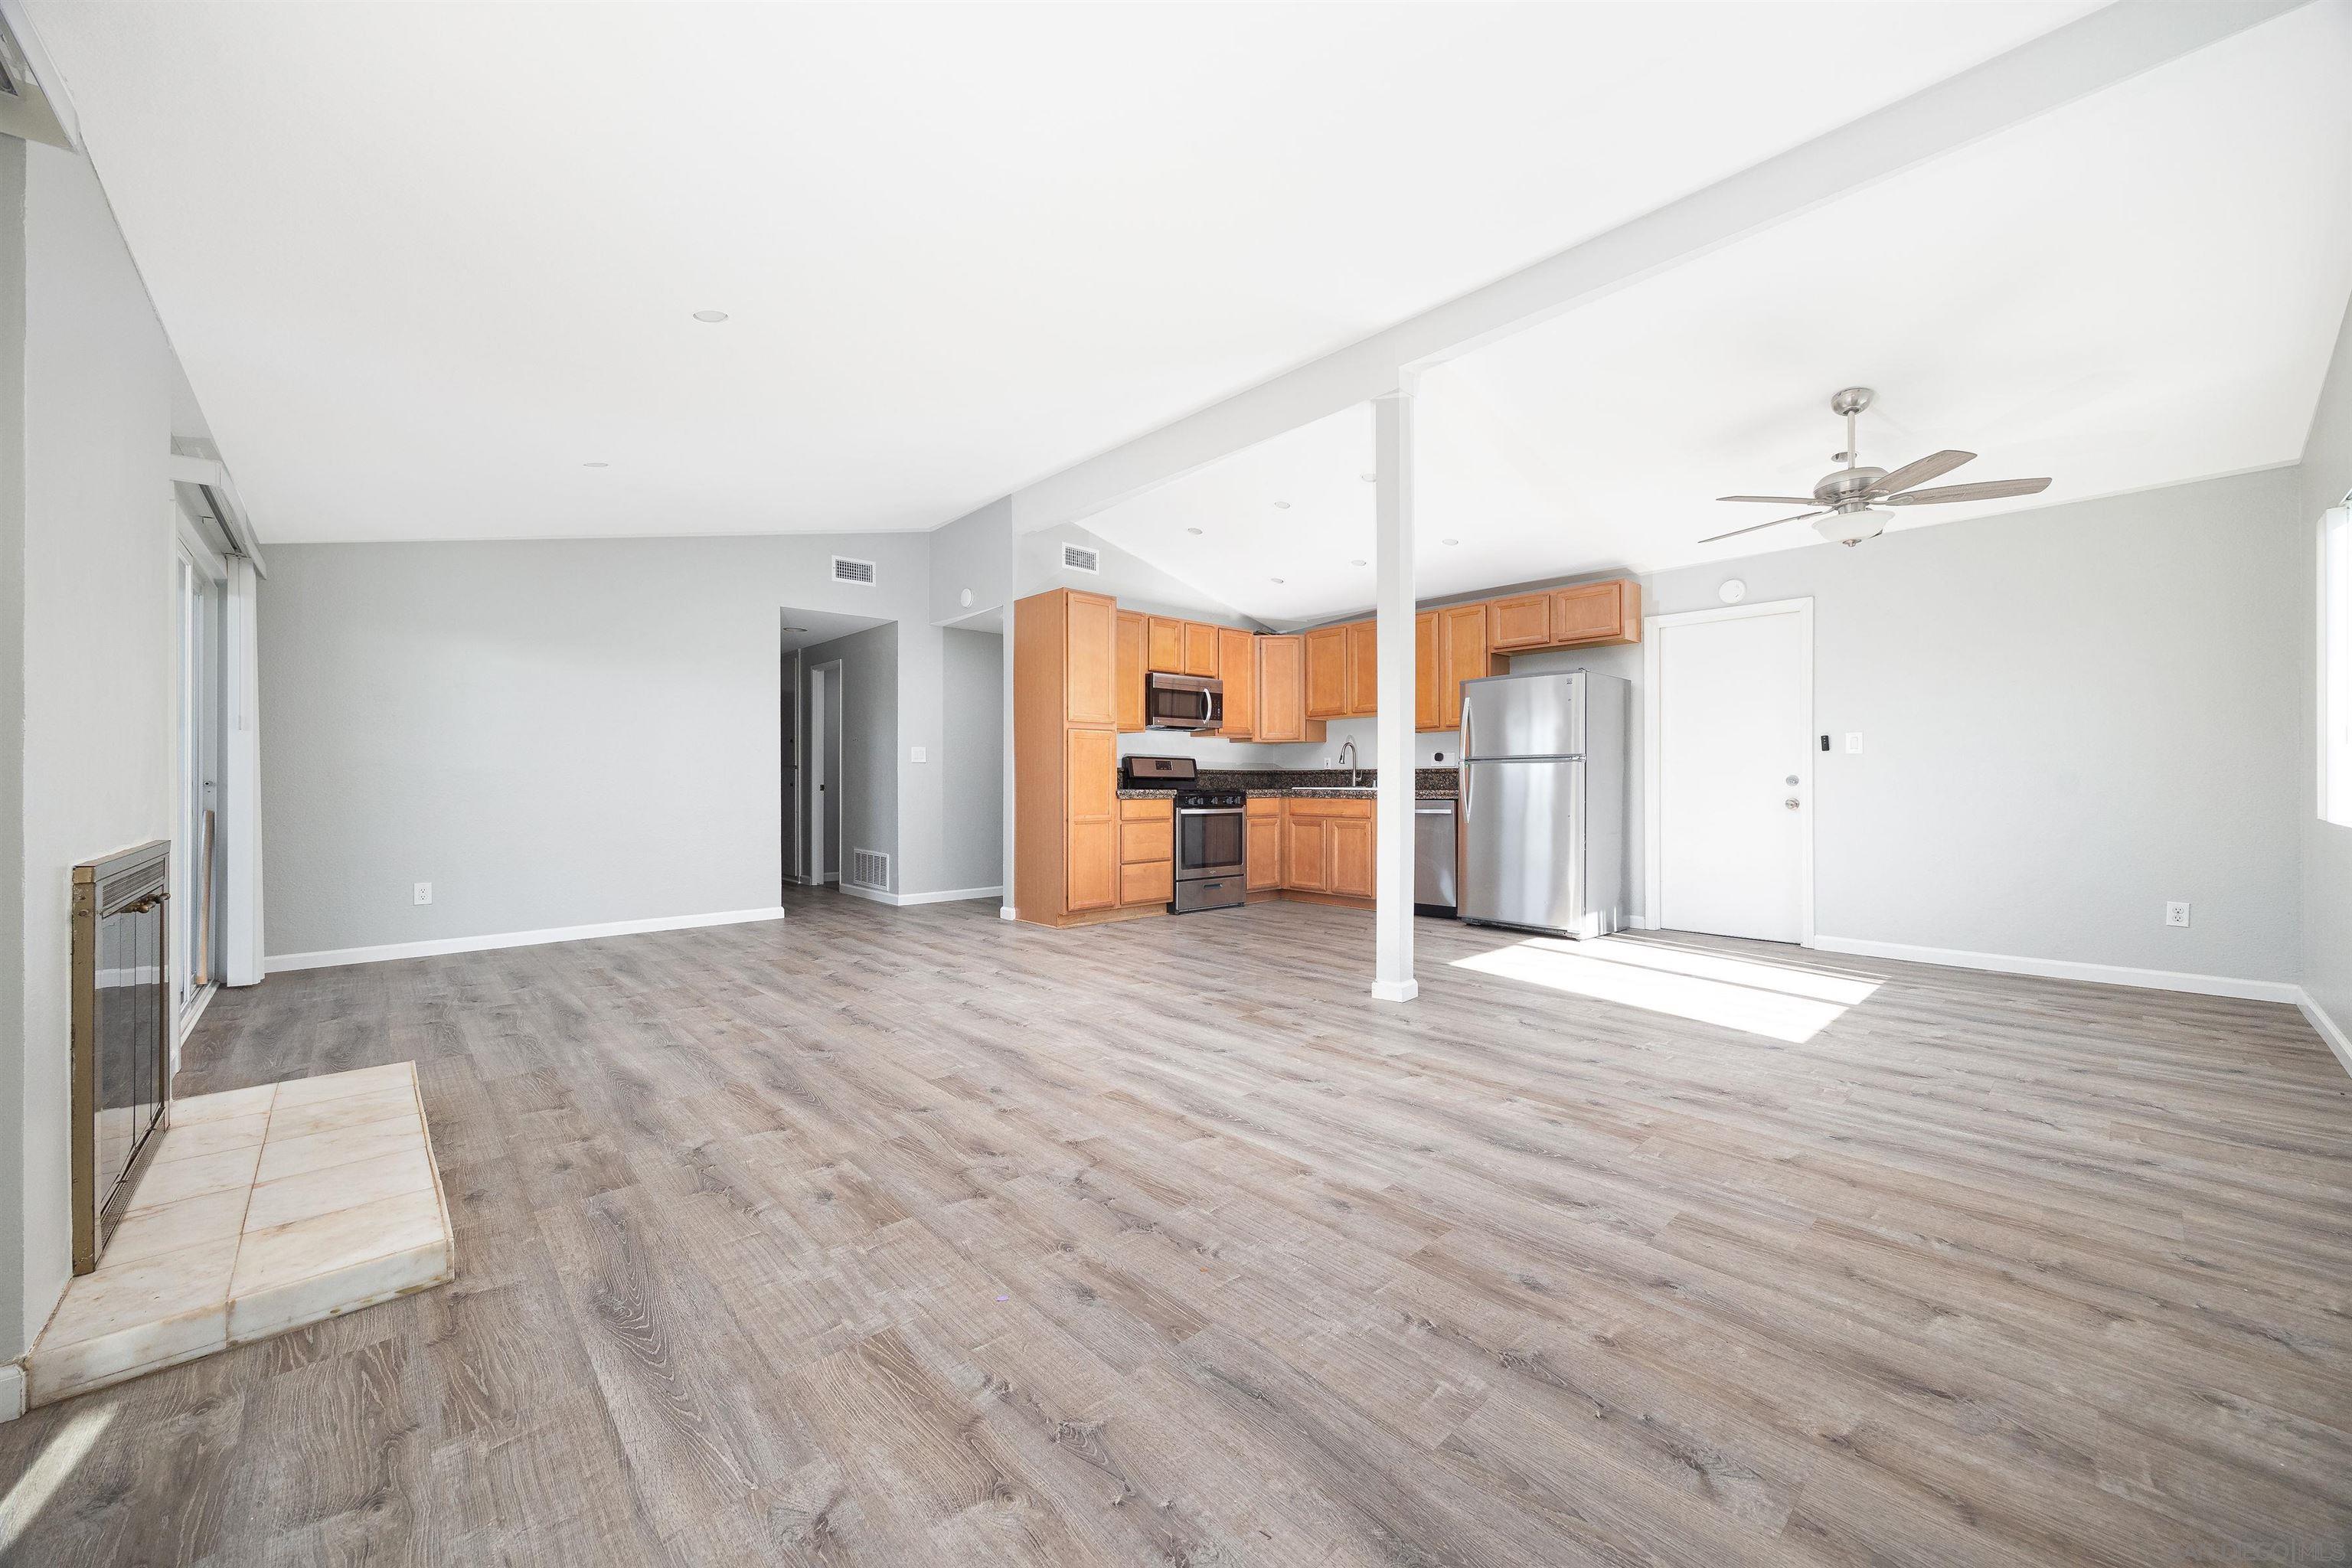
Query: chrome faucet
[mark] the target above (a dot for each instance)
(1355, 771)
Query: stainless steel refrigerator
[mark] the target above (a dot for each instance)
(1543, 802)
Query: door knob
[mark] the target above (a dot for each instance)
(1790, 802)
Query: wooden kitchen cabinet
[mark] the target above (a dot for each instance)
(1281, 693)
(1200, 648)
(1327, 846)
(1326, 673)
(1348, 856)
(1363, 668)
(1093, 667)
(1164, 645)
(1428, 674)
(1237, 667)
(1147, 851)
(1261, 845)
(1592, 614)
(1463, 654)
(1153, 882)
(1146, 840)
(1133, 635)
(1305, 846)
(1521, 622)
(1066, 757)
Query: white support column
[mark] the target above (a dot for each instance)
(1393, 978)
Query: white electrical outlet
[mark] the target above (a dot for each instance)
(1853, 742)
(2175, 914)
(424, 892)
(921, 754)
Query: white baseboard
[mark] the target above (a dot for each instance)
(2065, 969)
(1636, 920)
(2327, 1027)
(398, 950)
(12, 1391)
(953, 896)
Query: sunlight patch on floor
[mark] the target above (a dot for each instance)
(1777, 1001)
(48, 1471)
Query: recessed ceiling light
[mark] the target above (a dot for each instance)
(1449, 542)
(1370, 478)
(595, 465)
(1355, 564)
(1276, 581)
(710, 315)
(1192, 530)
(796, 629)
(1281, 506)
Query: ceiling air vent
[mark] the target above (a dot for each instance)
(845, 570)
(869, 869)
(1078, 558)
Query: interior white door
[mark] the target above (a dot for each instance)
(1734, 776)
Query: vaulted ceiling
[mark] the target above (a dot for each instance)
(425, 266)
(2139, 289)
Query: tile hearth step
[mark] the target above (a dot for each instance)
(264, 1209)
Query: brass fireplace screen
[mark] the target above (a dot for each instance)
(122, 1035)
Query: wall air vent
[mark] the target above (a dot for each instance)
(1078, 558)
(845, 570)
(870, 868)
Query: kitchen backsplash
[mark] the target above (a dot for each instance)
(1313, 778)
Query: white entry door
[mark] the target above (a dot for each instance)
(1731, 802)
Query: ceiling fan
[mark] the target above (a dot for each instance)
(1850, 505)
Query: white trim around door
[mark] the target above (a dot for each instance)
(1653, 854)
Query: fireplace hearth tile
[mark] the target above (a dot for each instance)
(189, 1141)
(336, 1209)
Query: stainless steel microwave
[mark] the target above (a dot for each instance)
(1183, 701)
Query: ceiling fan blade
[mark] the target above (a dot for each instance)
(1990, 490)
(1754, 526)
(1776, 501)
(1927, 468)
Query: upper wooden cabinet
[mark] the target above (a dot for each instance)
(1092, 670)
(1591, 613)
(1428, 679)
(1200, 648)
(1164, 650)
(1521, 622)
(1463, 654)
(1326, 673)
(1364, 668)
(1237, 666)
(1133, 637)
(1280, 697)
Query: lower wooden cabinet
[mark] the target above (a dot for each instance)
(1092, 863)
(1306, 854)
(1327, 846)
(1350, 856)
(1261, 847)
(1152, 882)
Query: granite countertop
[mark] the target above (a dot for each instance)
(1425, 791)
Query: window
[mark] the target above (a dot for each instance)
(2335, 665)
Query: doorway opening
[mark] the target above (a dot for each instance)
(837, 715)
(1728, 785)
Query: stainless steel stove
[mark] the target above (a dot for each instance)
(1210, 832)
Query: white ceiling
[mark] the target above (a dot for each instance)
(2137, 291)
(422, 264)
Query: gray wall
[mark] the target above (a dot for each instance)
(86, 561)
(863, 778)
(2326, 849)
(554, 732)
(971, 758)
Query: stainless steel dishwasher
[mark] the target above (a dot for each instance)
(1436, 858)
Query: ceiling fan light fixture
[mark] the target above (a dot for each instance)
(1854, 526)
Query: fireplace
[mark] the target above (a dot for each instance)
(122, 1035)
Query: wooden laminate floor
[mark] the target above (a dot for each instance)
(911, 1236)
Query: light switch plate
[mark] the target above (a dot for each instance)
(1853, 742)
